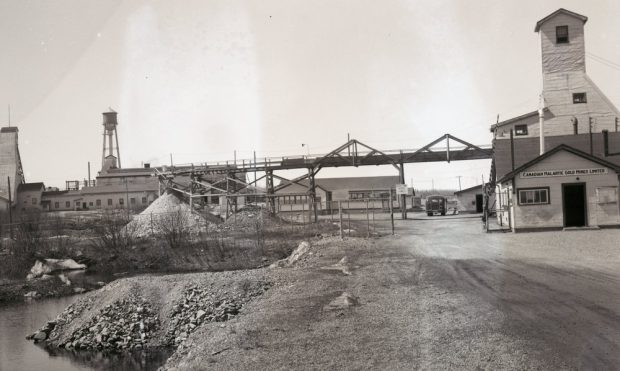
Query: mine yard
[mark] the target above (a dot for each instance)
(404, 185)
(534, 301)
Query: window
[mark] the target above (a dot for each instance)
(68, 204)
(109, 202)
(579, 98)
(56, 205)
(132, 201)
(561, 34)
(520, 129)
(98, 202)
(121, 201)
(34, 200)
(90, 203)
(534, 196)
(143, 200)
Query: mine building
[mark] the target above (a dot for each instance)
(352, 192)
(471, 200)
(555, 167)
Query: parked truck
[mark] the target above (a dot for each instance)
(436, 205)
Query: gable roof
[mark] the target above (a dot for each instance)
(561, 147)
(479, 186)
(583, 18)
(527, 149)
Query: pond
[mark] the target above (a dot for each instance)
(17, 320)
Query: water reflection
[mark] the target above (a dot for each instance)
(104, 361)
(17, 320)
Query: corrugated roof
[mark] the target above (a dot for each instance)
(527, 149)
(583, 18)
(561, 147)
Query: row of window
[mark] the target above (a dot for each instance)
(534, 196)
(97, 203)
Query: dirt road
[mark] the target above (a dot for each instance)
(439, 295)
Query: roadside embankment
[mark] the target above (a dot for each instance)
(151, 311)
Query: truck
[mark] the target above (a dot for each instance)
(436, 205)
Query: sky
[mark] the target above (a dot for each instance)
(203, 79)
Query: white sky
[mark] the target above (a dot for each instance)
(200, 79)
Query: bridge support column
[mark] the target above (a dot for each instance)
(271, 201)
(312, 193)
(403, 198)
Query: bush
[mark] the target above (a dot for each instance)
(113, 232)
(174, 228)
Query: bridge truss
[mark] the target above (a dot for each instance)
(228, 179)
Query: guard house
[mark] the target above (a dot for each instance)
(562, 188)
(574, 120)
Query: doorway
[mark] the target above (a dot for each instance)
(478, 203)
(574, 204)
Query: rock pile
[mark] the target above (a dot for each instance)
(199, 306)
(249, 217)
(126, 324)
(167, 209)
(50, 329)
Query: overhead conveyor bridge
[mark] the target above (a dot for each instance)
(351, 154)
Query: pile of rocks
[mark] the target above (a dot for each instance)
(165, 210)
(199, 306)
(50, 329)
(126, 324)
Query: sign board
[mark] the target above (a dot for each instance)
(401, 189)
(567, 172)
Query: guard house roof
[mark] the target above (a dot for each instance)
(583, 18)
(561, 147)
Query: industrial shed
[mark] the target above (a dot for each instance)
(351, 192)
(562, 188)
(471, 200)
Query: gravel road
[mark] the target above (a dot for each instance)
(439, 295)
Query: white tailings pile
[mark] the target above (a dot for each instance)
(165, 212)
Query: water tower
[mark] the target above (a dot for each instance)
(108, 160)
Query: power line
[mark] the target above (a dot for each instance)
(604, 62)
(602, 58)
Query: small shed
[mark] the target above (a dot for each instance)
(470, 200)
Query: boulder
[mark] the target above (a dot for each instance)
(299, 251)
(47, 266)
(32, 294)
(39, 336)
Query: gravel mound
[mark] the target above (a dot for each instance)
(250, 216)
(149, 312)
(167, 210)
(200, 305)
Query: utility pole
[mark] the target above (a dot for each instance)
(8, 179)
(459, 176)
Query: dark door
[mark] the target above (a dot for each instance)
(574, 202)
(478, 203)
